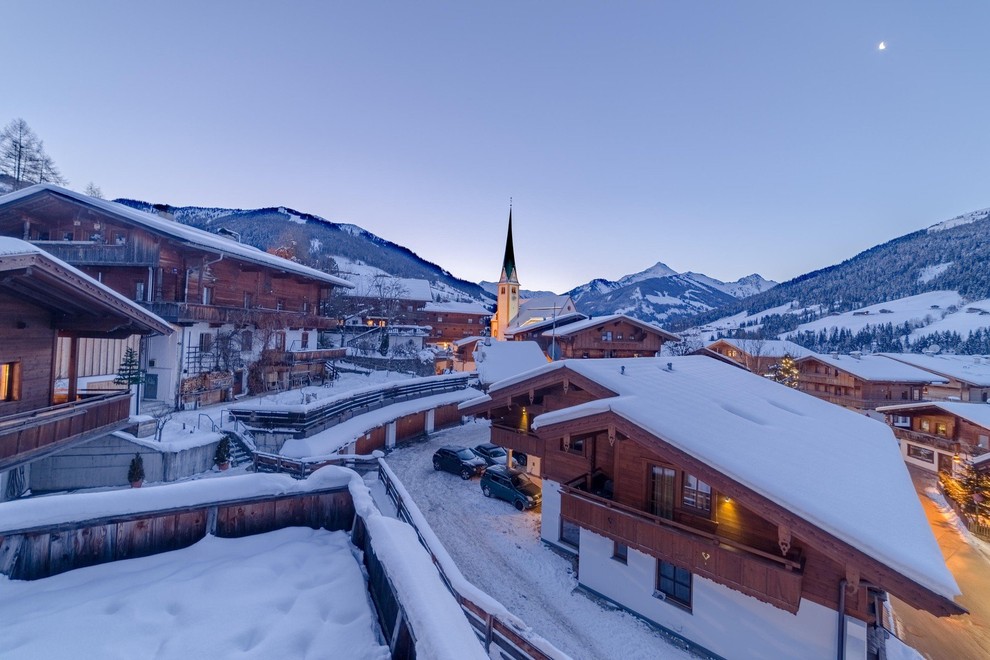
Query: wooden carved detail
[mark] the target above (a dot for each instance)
(567, 385)
(852, 579)
(611, 435)
(532, 395)
(784, 539)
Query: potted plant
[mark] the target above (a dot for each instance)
(222, 456)
(135, 474)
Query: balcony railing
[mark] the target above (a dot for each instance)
(517, 440)
(769, 577)
(85, 253)
(30, 435)
(178, 312)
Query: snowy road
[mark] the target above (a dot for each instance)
(499, 550)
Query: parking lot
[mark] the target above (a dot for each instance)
(499, 550)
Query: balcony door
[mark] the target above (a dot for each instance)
(663, 482)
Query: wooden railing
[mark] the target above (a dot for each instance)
(31, 435)
(86, 253)
(517, 440)
(489, 626)
(769, 577)
(180, 312)
(336, 410)
(303, 467)
(946, 444)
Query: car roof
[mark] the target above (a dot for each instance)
(453, 447)
(501, 469)
(487, 445)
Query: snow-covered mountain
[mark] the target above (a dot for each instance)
(660, 294)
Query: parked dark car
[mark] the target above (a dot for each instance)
(458, 460)
(512, 486)
(492, 454)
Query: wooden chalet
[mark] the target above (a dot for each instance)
(614, 336)
(863, 382)
(758, 355)
(533, 331)
(939, 435)
(234, 306)
(968, 376)
(684, 484)
(452, 321)
(43, 300)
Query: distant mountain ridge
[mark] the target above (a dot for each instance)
(660, 294)
(952, 255)
(316, 241)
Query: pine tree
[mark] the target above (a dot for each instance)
(129, 372)
(784, 372)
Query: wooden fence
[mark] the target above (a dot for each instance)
(38, 552)
(489, 626)
(977, 527)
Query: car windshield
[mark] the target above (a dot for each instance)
(520, 480)
(465, 454)
(496, 452)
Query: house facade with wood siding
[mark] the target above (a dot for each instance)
(614, 336)
(968, 376)
(44, 301)
(939, 436)
(233, 306)
(702, 498)
(758, 355)
(863, 382)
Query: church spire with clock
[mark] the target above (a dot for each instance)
(508, 289)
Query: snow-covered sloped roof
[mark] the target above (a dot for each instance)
(456, 308)
(877, 368)
(467, 340)
(86, 290)
(971, 369)
(178, 231)
(498, 360)
(542, 307)
(536, 326)
(771, 348)
(595, 321)
(976, 413)
(822, 462)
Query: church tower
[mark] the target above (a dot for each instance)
(508, 289)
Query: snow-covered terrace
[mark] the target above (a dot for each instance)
(293, 592)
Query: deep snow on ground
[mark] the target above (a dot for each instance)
(293, 593)
(499, 550)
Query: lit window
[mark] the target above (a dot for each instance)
(10, 381)
(673, 584)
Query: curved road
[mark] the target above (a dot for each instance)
(960, 637)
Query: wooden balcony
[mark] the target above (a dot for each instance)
(943, 443)
(763, 575)
(517, 440)
(86, 253)
(178, 312)
(31, 435)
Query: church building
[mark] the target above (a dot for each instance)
(513, 314)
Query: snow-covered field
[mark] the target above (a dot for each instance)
(293, 593)
(923, 308)
(499, 550)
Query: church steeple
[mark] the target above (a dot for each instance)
(509, 260)
(508, 288)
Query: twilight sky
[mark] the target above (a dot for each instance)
(723, 138)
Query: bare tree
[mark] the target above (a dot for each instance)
(93, 190)
(18, 144)
(161, 413)
(23, 156)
